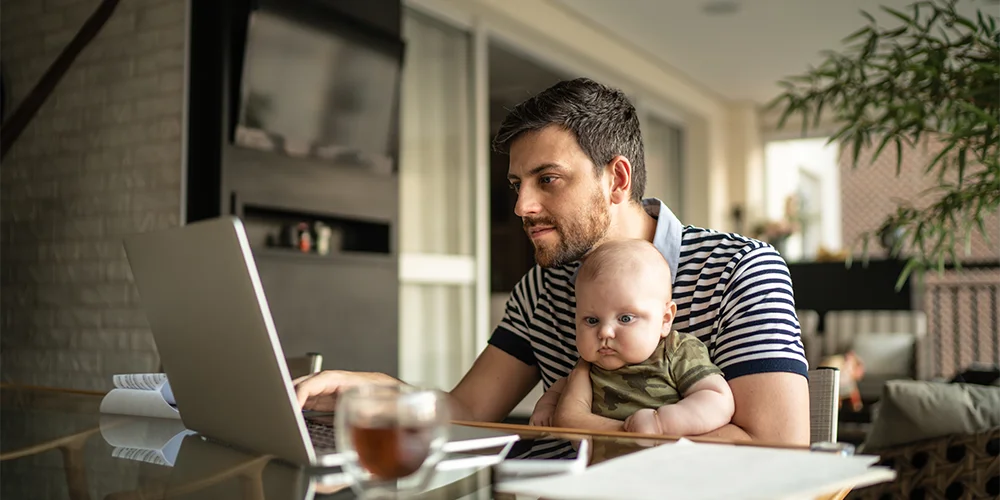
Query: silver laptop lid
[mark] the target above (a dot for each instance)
(205, 305)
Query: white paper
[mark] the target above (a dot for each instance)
(146, 381)
(697, 471)
(138, 402)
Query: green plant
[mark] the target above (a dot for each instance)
(935, 77)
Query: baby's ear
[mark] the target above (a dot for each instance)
(668, 319)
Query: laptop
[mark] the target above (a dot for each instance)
(217, 342)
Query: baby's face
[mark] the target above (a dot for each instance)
(617, 324)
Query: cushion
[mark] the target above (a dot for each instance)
(911, 411)
(886, 354)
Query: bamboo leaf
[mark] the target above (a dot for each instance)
(961, 166)
(881, 145)
(939, 156)
(905, 273)
(982, 230)
(899, 155)
(903, 17)
(980, 113)
(868, 17)
(858, 140)
(856, 35)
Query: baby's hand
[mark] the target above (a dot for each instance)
(643, 422)
(543, 414)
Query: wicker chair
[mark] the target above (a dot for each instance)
(965, 466)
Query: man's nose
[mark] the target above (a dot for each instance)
(527, 203)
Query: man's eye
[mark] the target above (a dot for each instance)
(546, 179)
(626, 318)
(590, 321)
(514, 186)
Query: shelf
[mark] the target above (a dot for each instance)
(350, 258)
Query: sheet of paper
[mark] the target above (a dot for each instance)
(147, 382)
(697, 471)
(138, 402)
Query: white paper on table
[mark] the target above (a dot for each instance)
(147, 382)
(138, 402)
(698, 471)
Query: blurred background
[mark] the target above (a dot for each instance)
(353, 138)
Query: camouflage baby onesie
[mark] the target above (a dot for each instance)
(679, 361)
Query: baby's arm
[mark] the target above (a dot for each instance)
(575, 407)
(545, 408)
(706, 406)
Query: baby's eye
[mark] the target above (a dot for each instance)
(590, 321)
(626, 318)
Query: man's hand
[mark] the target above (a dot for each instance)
(543, 415)
(644, 421)
(545, 409)
(575, 408)
(319, 391)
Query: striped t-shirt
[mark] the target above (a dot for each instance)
(732, 292)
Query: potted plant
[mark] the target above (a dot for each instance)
(934, 77)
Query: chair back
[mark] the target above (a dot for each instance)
(843, 329)
(300, 366)
(811, 341)
(824, 404)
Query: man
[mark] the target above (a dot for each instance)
(576, 163)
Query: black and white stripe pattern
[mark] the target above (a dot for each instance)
(732, 292)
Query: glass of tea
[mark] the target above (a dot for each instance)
(391, 437)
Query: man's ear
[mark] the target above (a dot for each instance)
(668, 319)
(620, 171)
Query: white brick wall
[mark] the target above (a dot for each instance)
(101, 159)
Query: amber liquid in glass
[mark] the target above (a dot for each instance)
(391, 452)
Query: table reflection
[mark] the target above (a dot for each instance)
(57, 444)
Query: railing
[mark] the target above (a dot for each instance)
(962, 318)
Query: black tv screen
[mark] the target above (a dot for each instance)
(313, 92)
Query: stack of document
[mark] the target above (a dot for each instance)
(709, 471)
(141, 394)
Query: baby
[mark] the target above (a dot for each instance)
(635, 368)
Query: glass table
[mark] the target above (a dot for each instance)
(57, 444)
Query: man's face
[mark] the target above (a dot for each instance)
(560, 200)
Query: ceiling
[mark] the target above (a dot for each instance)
(739, 55)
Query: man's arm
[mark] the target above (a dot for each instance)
(545, 409)
(575, 404)
(494, 385)
(759, 349)
(770, 407)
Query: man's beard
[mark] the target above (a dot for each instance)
(577, 235)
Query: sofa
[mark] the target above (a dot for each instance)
(942, 439)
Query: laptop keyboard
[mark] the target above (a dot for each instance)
(321, 433)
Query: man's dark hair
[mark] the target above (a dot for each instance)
(602, 119)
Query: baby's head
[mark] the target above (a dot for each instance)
(623, 303)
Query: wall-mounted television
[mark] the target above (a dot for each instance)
(318, 90)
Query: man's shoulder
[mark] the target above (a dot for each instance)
(699, 237)
(539, 277)
(700, 246)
